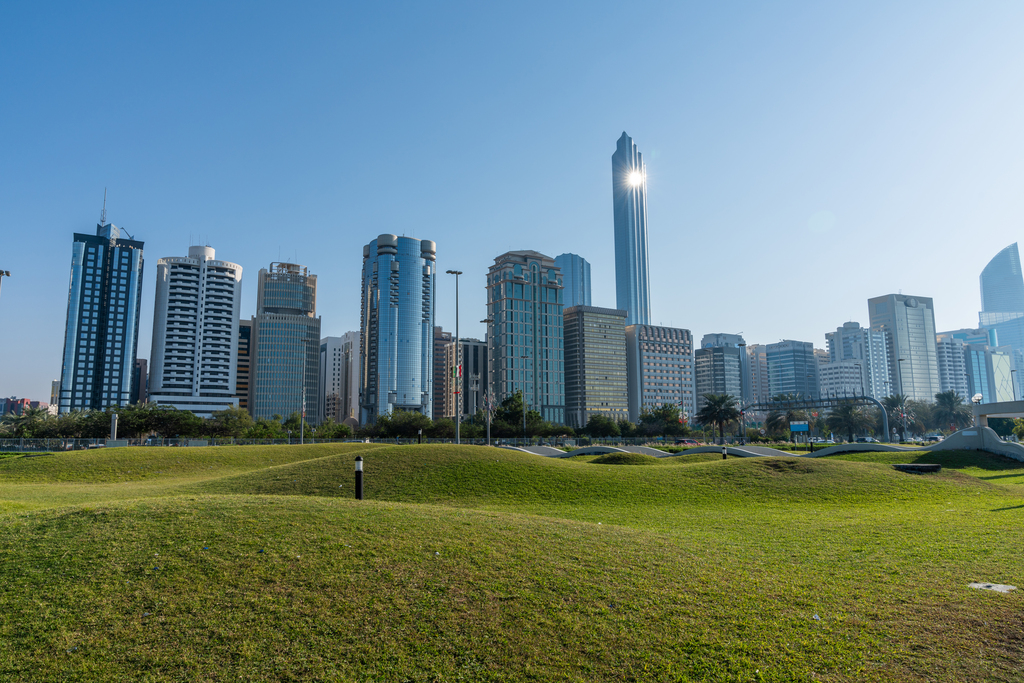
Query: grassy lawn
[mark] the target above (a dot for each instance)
(473, 563)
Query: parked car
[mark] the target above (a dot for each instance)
(866, 439)
(934, 437)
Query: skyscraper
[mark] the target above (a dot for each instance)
(102, 332)
(243, 372)
(575, 280)
(524, 305)
(864, 348)
(396, 340)
(629, 202)
(757, 362)
(720, 367)
(909, 324)
(951, 352)
(285, 367)
(441, 377)
(195, 334)
(339, 378)
(659, 362)
(792, 369)
(596, 379)
(1002, 284)
(1002, 304)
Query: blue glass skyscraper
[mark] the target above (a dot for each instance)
(629, 199)
(1002, 285)
(1002, 303)
(397, 327)
(575, 279)
(102, 332)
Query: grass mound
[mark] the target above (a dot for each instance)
(989, 467)
(473, 563)
(625, 459)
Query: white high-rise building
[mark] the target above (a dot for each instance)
(757, 364)
(339, 378)
(195, 332)
(952, 356)
(909, 325)
(866, 348)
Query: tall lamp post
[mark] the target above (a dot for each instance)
(3, 274)
(458, 358)
(487, 389)
(1013, 384)
(524, 357)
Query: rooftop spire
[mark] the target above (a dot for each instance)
(103, 214)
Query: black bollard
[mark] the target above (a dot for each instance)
(359, 477)
(723, 451)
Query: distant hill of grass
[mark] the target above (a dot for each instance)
(481, 564)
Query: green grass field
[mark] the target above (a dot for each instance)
(478, 564)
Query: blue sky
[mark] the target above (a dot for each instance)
(802, 156)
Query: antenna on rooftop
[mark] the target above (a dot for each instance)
(103, 214)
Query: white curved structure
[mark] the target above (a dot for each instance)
(195, 332)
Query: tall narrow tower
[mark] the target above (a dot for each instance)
(629, 199)
(103, 320)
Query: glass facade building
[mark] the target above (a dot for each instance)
(525, 332)
(720, 367)
(792, 369)
(575, 280)
(659, 365)
(396, 341)
(909, 324)
(596, 381)
(102, 331)
(194, 360)
(1002, 284)
(629, 202)
(285, 365)
(471, 382)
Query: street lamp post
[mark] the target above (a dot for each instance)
(487, 391)
(3, 274)
(458, 358)
(524, 357)
(1013, 384)
(903, 409)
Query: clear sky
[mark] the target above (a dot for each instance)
(802, 156)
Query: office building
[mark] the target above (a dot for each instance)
(524, 305)
(396, 342)
(596, 381)
(866, 347)
(575, 280)
(841, 378)
(989, 371)
(757, 364)
(441, 378)
(102, 331)
(470, 381)
(243, 372)
(339, 378)
(1002, 283)
(659, 363)
(720, 366)
(909, 324)
(629, 203)
(951, 353)
(195, 347)
(792, 369)
(285, 367)
(141, 381)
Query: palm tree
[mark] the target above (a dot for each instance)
(849, 418)
(718, 409)
(778, 420)
(950, 409)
